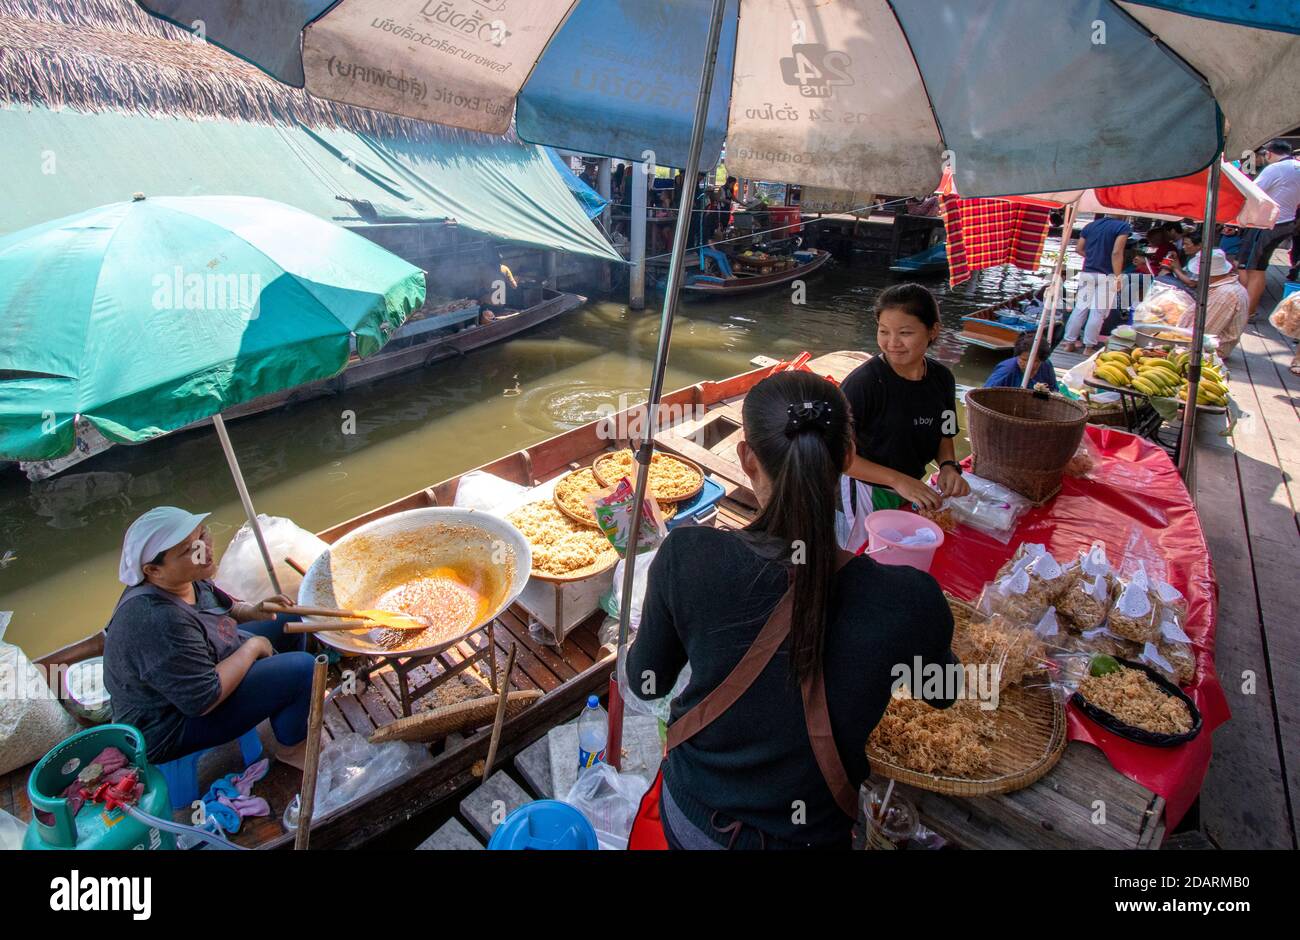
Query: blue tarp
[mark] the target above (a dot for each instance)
(593, 203)
(1282, 15)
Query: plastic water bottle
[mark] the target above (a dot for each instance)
(593, 731)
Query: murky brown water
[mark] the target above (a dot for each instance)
(414, 430)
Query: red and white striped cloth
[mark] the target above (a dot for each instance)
(988, 233)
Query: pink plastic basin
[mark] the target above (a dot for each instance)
(888, 551)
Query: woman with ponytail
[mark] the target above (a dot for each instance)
(793, 645)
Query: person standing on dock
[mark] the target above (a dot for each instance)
(1101, 243)
(1281, 180)
(904, 406)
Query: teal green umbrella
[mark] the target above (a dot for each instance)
(142, 317)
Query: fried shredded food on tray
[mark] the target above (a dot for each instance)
(670, 478)
(951, 741)
(560, 545)
(572, 491)
(1134, 699)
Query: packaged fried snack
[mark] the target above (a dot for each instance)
(997, 642)
(1170, 597)
(1104, 642)
(613, 514)
(1135, 613)
(1175, 661)
(1086, 601)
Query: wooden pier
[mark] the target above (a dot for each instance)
(1246, 493)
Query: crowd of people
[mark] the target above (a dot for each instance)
(1122, 264)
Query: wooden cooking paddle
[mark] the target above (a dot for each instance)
(384, 618)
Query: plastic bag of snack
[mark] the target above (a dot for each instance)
(1101, 642)
(1010, 597)
(1048, 627)
(1170, 597)
(1086, 601)
(1085, 459)
(613, 511)
(1181, 658)
(1171, 627)
(942, 517)
(1135, 614)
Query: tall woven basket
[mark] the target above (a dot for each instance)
(1023, 439)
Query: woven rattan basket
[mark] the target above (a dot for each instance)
(440, 722)
(1032, 728)
(1023, 439)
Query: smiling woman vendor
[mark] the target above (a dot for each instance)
(904, 406)
(175, 662)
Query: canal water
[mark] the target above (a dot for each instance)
(413, 430)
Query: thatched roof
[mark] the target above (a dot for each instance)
(109, 55)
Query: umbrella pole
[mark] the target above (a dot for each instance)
(220, 424)
(1055, 292)
(671, 296)
(1186, 438)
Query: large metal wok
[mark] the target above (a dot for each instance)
(380, 555)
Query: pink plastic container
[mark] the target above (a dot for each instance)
(888, 551)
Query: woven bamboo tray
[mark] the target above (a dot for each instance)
(440, 722)
(1033, 738)
(667, 510)
(611, 480)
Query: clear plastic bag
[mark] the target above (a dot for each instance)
(351, 767)
(1009, 597)
(242, 572)
(1134, 613)
(12, 832)
(1086, 601)
(488, 492)
(609, 800)
(32, 720)
(639, 576)
(989, 508)
(659, 707)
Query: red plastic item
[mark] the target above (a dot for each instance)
(1133, 490)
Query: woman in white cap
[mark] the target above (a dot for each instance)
(1228, 304)
(190, 666)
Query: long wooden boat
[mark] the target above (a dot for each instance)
(706, 430)
(1055, 812)
(999, 325)
(704, 285)
(423, 340)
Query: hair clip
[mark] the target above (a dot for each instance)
(808, 414)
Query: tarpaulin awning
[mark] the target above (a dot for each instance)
(593, 203)
(61, 162)
(1135, 504)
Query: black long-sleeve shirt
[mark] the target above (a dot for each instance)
(708, 595)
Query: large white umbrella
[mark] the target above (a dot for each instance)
(1015, 96)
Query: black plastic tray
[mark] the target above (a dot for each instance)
(1141, 735)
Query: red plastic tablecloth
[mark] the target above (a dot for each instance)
(1135, 502)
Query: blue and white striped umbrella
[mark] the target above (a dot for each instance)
(1017, 96)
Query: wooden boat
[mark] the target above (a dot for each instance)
(426, 338)
(707, 285)
(707, 431)
(934, 260)
(998, 326)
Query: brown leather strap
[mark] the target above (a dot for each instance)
(820, 735)
(751, 665)
(816, 714)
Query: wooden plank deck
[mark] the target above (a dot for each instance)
(1246, 493)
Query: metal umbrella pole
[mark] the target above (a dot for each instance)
(1056, 292)
(1185, 439)
(671, 296)
(219, 423)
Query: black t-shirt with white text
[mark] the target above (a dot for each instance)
(897, 422)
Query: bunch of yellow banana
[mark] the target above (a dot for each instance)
(1211, 391)
(1113, 368)
(1157, 377)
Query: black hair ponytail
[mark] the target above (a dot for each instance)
(797, 425)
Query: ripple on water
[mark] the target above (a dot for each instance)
(562, 406)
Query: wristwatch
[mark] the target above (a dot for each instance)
(950, 463)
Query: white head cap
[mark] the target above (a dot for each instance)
(1219, 264)
(156, 531)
